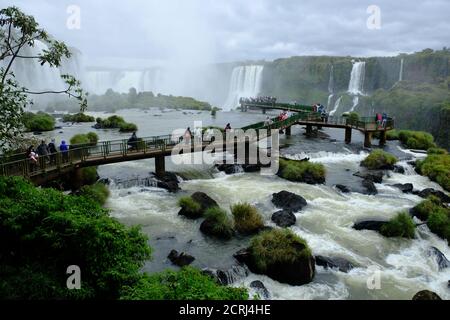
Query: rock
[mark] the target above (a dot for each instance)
(298, 272)
(369, 225)
(260, 289)
(334, 263)
(342, 188)
(181, 259)
(208, 228)
(405, 188)
(399, 169)
(370, 187)
(229, 168)
(288, 201)
(168, 181)
(441, 260)
(251, 167)
(412, 163)
(204, 200)
(431, 192)
(426, 295)
(105, 181)
(227, 277)
(374, 176)
(284, 218)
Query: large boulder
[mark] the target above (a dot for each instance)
(441, 260)
(204, 200)
(425, 193)
(426, 295)
(228, 276)
(209, 228)
(405, 188)
(180, 259)
(369, 186)
(342, 188)
(373, 175)
(168, 181)
(260, 289)
(284, 218)
(229, 168)
(399, 169)
(288, 201)
(373, 225)
(251, 167)
(341, 264)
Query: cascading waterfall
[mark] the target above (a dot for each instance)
(400, 76)
(245, 82)
(356, 83)
(331, 87)
(336, 106)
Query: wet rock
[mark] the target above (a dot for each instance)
(432, 192)
(105, 181)
(204, 200)
(168, 181)
(208, 228)
(426, 295)
(227, 277)
(399, 169)
(412, 163)
(284, 218)
(229, 168)
(369, 225)
(260, 289)
(288, 201)
(334, 263)
(441, 260)
(369, 186)
(251, 167)
(405, 188)
(374, 176)
(180, 259)
(298, 272)
(342, 188)
(166, 238)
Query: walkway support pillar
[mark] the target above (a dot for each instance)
(288, 131)
(160, 166)
(367, 139)
(348, 135)
(382, 138)
(264, 110)
(309, 130)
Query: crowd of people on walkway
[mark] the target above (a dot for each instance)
(46, 153)
(264, 99)
(381, 119)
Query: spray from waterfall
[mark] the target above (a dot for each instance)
(245, 82)
(331, 87)
(400, 76)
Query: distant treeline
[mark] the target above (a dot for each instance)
(112, 101)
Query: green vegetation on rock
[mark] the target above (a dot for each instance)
(78, 118)
(416, 139)
(217, 223)
(437, 168)
(186, 284)
(97, 192)
(247, 219)
(80, 139)
(379, 160)
(302, 171)
(38, 121)
(115, 122)
(401, 225)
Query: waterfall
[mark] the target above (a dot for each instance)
(245, 82)
(400, 76)
(336, 106)
(36, 77)
(331, 81)
(356, 84)
(355, 103)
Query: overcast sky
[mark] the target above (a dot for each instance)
(134, 32)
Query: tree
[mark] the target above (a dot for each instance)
(18, 31)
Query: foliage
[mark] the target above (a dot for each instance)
(353, 118)
(426, 207)
(190, 205)
(437, 168)
(186, 284)
(89, 175)
(97, 192)
(439, 223)
(128, 127)
(17, 31)
(78, 117)
(247, 219)
(416, 139)
(401, 225)
(38, 121)
(392, 135)
(221, 223)
(115, 122)
(302, 171)
(277, 246)
(379, 159)
(437, 151)
(43, 231)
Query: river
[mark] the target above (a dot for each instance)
(404, 266)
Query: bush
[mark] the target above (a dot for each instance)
(97, 192)
(43, 231)
(217, 223)
(439, 223)
(277, 246)
(247, 219)
(437, 151)
(93, 138)
(78, 117)
(128, 127)
(379, 159)
(38, 121)
(426, 207)
(116, 122)
(302, 171)
(401, 225)
(416, 139)
(89, 175)
(437, 168)
(192, 207)
(186, 284)
(392, 135)
(353, 118)
(81, 139)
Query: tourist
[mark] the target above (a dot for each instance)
(227, 127)
(64, 148)
(52, 151)
(32, 155)
(187, 135)
(384, 120)
(42, 152)
(132, 141)
(379, 119)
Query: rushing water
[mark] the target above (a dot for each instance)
(245, 82)
(326, 222)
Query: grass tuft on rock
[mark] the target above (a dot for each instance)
(416, 139)
(302, 171)
(379, 160)
(190, 205)
(401, 225)
(247, 219)
(218, 223)
(437, 168)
